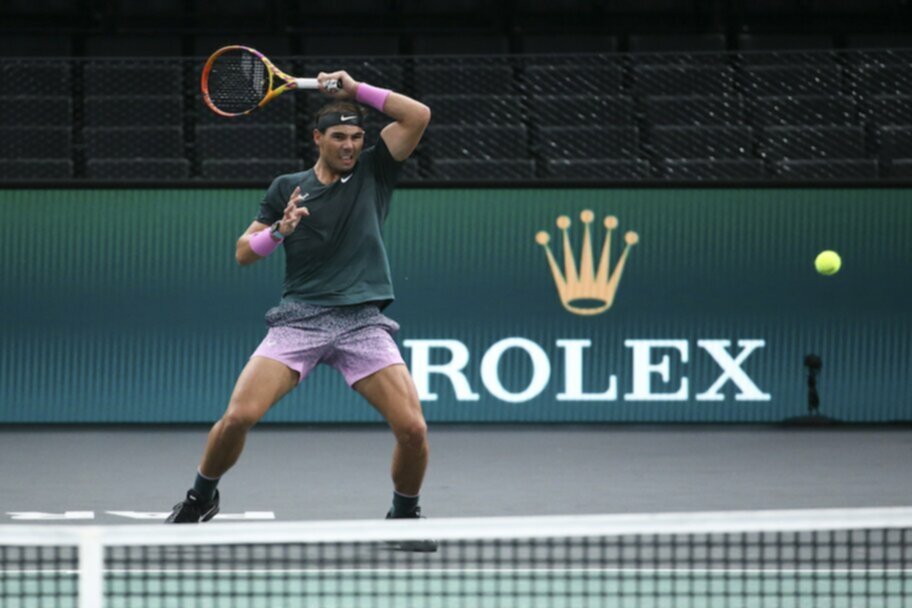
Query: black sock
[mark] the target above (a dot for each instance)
(205, 486)
(404, 505)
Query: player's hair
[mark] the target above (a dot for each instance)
(343, 106)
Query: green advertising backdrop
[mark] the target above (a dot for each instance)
(128, 306)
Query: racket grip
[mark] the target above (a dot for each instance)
(311, 83)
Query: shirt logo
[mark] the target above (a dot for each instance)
(347, 118)
(346, 178)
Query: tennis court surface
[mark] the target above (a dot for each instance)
(761, 519)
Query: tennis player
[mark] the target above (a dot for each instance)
(337, 281)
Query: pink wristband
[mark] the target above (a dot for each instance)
(263, 244)
(372, 96)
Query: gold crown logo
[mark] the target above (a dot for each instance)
(587, 291)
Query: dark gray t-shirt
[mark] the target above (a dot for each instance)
(336, 256)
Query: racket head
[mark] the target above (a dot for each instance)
(237, 80)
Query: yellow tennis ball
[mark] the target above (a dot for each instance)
(828, 262)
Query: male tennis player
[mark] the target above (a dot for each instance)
(337, 281)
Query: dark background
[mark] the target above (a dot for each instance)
(172, 27)
(750, 91)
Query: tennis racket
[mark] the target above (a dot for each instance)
(238, 79)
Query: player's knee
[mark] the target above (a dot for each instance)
(239, 418)
(412, 434)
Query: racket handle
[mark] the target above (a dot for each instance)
(311, 83)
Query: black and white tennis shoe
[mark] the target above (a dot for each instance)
(193, 509)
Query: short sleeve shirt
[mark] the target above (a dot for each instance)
(336, 256)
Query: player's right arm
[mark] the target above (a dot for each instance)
(292, 216)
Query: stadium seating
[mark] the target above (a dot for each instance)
(221, 142)
(784, 49)
(232, 13)
(478, 143)
(21, 143)
(134, 111)
(151, 13)
(600, 169)
(826, 169)
(339, 45)
(899, 167)
(688, 106)
(123, 77)
(36, 45)
(693, 110)
(133, 142)
(793, 80)
(250, 169)
(550, 79)
(35, 169)
(281, 111)
(678, 49)
(452, 78)
(479, 170)
(686, 80)
(736, 169)
(270, 44)
(133, 46)
(49, 111)
(588, 141)
(442, 8)
(880, 79)
(47, 9)
(576, 110)
(462, 44)
(805, 110)
(840, 7)
(889, 109)
(568, 43)
(412, 171)
(35, 77)
(476, 109)
(348, 8)
(139, 169)
(878, 41)
(895, 142)
(706, 142)
(825, 142)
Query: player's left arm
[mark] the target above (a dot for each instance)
(411, 117)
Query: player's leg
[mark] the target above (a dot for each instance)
(366, 354)
(364, 351)
(261, 384)
(392, 392)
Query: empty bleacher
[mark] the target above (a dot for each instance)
(517, 106)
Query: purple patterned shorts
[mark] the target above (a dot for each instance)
(356, 340)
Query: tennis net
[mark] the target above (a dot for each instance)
(819, 558)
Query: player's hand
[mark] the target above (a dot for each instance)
(349, 84)
(293, 213)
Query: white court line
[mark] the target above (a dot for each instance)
(494, 571)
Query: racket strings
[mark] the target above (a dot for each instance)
(238, 82)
